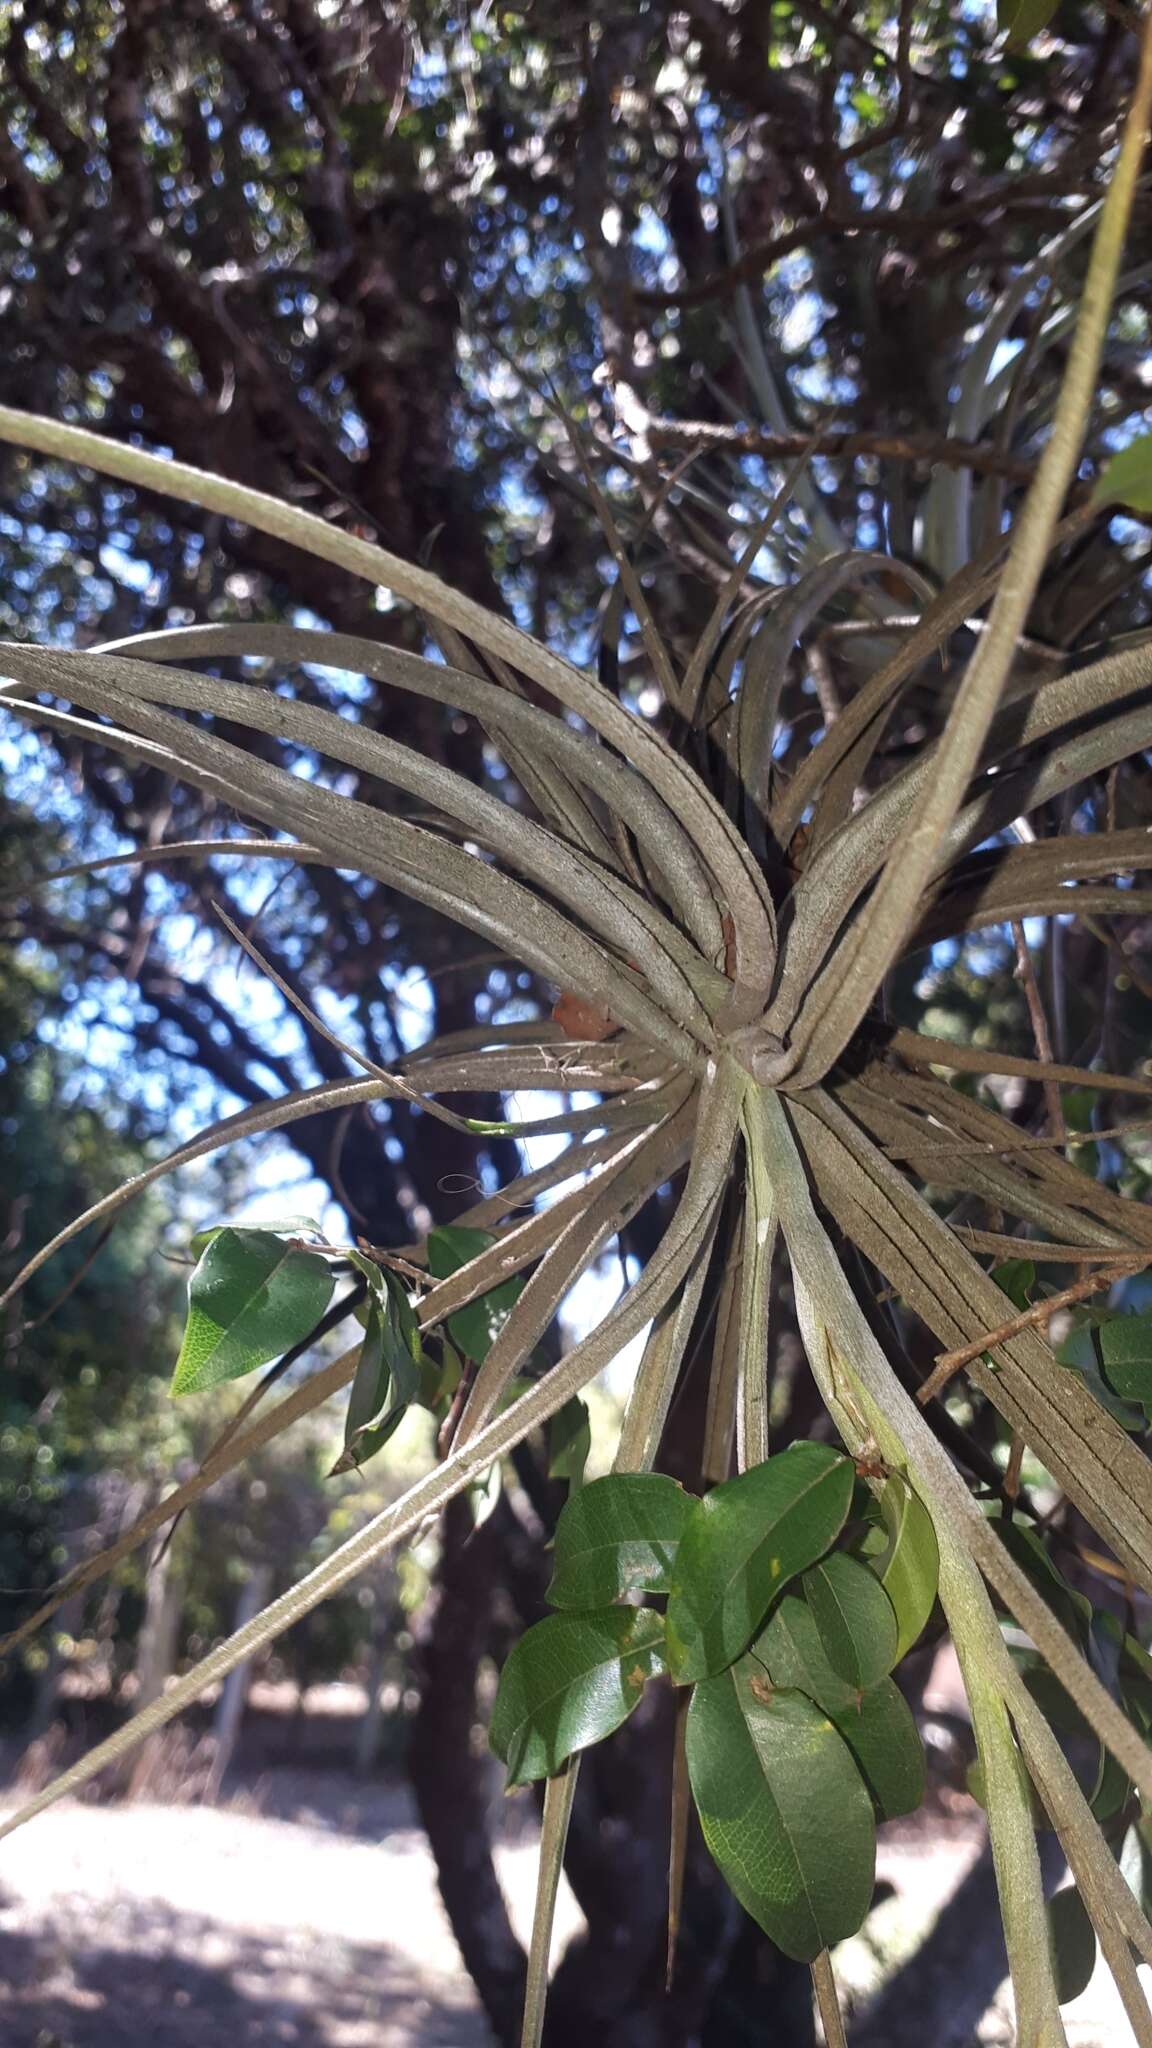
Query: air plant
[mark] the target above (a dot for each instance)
(722, 933)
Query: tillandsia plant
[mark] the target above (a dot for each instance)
(719, 931)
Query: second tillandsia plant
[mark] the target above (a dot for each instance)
(721, 935)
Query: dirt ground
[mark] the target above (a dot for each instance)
(304, 1914)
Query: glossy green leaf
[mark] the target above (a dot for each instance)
(904, 1557)
(250, 1298)
(1016, 1278)
(1078, 1740)
(908, 1566)
(1127, 478)
(1069, 1606)
(616, 1536)
(1023, 19)
(475, 1327)
(855, 1618)
(1126, 1351)
(569, 1443)
(741, 1545)
(785, 1812)
(570, 1681)
(1112, 1790)
(388, 1373)
(1078, 1350)
(877, 1725)
(1073, 1940)
(281, 1226)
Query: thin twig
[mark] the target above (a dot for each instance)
(949, 1362)
(827, 2001)
(1026, 976)
(841, 442)
(900, 222)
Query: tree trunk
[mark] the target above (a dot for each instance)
(234, 1692)
(450, 1781)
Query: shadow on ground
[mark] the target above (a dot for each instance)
(136, 1993)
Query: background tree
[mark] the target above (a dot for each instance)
(336, 256)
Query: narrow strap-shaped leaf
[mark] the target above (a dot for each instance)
(615, 1197)
(748, 901)
(760, 1232)
(724, 1370)
(914, 1249)
(565, 870)
(870, 1406)
(367, 832)
(711, 1144)
(659, 1368)
(831, 1010)
(559, 1798)
(921, 1050)
(424, 865)
(1072, 709)
(766, 661)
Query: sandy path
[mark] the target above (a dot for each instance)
(127, 1927)
(318, 1925)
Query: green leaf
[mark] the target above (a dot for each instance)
(249, 1298)
(475, 1327)
(855, 1618)
(1023, 19)
(281, 1226)
(909, 1565)
(1016, 1278)
(1127, 478)
(1112, 1790)
(1126, 1350)
(618, 1535)
(388, 1373)
(569, 1442)
(570, 1681)
(1077, 1738)
(880, 1730)
(785, 1812)
(741, 1545)
(877, 1725)
(1078, 1350)
(1073, 1940)
(1070, 1607)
